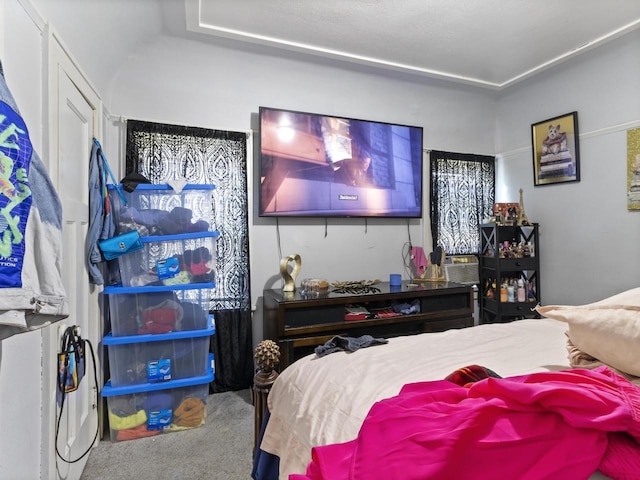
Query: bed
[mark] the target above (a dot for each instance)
(324, 401)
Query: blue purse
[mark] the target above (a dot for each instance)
(119, 245)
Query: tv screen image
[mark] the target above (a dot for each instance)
(314, 165)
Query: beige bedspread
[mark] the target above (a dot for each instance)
(317, 401)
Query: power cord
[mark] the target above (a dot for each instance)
(407, 260)
(79, 342)
(409, 234)
(407, 254)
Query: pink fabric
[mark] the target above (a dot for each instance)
(199, 268)
(551, 425)
(621, 461)
(419, 259)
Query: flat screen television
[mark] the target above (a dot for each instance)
(314, 165)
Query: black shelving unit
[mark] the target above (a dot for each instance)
(500, 263)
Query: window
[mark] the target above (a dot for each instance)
(163, 152)
(462, 195)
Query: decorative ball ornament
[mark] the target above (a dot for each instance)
(290, 277)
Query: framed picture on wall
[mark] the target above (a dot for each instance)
(633, 169)
(556, 154)
(506, 213)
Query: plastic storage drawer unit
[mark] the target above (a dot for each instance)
(180, 259)
(162, 357)
(153, 310)
(161, 210)
(145, 410)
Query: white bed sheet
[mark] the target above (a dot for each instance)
(318, 401)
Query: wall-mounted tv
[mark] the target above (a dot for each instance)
(314, 165)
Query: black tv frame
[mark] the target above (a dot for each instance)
(302, 178)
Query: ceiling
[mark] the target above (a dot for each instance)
(488, 43)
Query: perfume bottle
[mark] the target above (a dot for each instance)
(522, 293)
(503, 292)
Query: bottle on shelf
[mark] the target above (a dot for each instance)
(522, 293)
(510, 293)
(503, 292)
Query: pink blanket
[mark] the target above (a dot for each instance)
(552, 425)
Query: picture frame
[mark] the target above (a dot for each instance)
(556, 152)
(633, 169)
(506, 213)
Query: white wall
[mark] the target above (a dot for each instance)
(193, 83)
(589, 240)
(20, 355)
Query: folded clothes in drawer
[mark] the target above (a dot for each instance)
(179, 259)
(162, 210)
(162, 309)
(149, 358)
(145, 410)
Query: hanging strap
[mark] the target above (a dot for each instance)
(70, 346)
(108, 169)
(72, 337)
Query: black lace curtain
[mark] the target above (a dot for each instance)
(163, 152)
(462, 195)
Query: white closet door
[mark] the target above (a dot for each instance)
(74, 113)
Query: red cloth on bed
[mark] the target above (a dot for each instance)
(551, 425)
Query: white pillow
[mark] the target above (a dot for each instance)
(608, 330)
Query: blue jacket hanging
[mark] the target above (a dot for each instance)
(31, 291)
(101, 224)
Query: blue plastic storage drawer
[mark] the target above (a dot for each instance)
(150, 409)
(160, 210)
(180, 259)
(149, 358)
(154, 310)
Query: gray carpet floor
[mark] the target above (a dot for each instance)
(221, 449)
